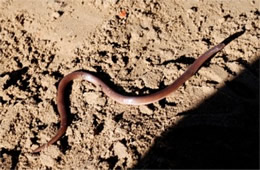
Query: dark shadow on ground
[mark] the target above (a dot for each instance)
(222, 132)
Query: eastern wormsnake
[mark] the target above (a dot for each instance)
(131, 100)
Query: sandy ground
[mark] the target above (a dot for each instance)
(210, 122)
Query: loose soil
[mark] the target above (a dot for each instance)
(137, 47)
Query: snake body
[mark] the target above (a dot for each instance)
(130, 100)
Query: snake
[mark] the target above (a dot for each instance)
(123, 99)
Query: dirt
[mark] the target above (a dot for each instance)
(138, 47)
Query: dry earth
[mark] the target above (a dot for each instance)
(210, 122)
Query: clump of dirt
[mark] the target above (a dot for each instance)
(137, 47)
